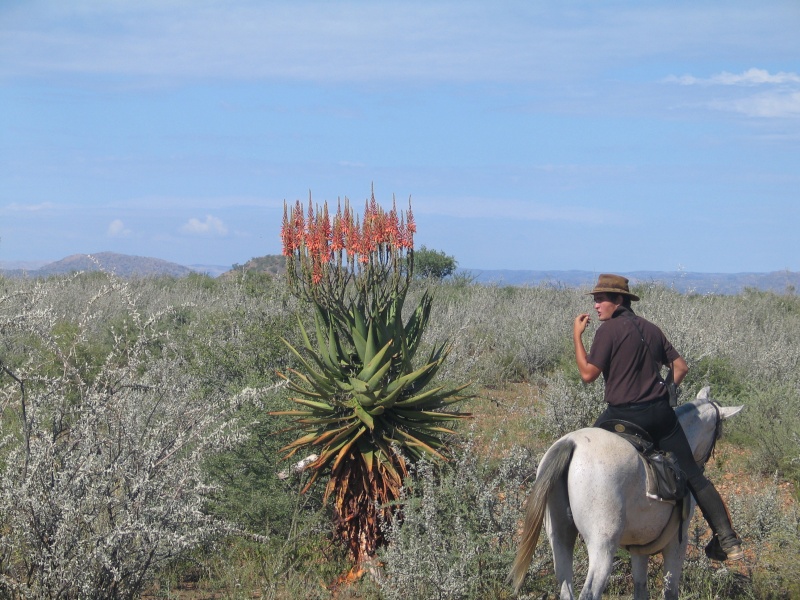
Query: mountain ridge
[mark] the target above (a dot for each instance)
(681, 281)
(124, 265)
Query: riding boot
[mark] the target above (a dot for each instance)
(725, 544)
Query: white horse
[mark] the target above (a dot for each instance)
(592, 482)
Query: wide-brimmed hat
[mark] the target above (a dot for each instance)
(613, 284)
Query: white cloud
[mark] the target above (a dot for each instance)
(751, 77)
(212, 226)
(117, 229)
(15, 207)
(763, 105)
(780, 98)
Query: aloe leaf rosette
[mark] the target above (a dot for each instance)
(374, 394)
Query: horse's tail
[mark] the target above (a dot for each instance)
(553, 467)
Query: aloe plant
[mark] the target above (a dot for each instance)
(366, 404)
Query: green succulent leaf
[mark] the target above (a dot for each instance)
(346, 448)
(421, 398)
(319, 406)
(342, 433)
(360, 322)
(365, 417)
(376, 364)
(371, 348)
(429, 416)
(319, 378)
(414, 442)
(319, 389)
(357, 385)
(374, 382)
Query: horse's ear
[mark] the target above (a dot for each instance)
(704, 395)
(726, 412)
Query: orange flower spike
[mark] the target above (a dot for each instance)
(411, 224)
(299, 225)
(387, 229)
(338, 234)
(316, 273)
(411, 228)
(324, 235)
(351, 236)
(362, 242)
(287, 234)
(319, 245)
(374, 209)
(314, 236)
(393, 226)
(327, 223)
(376, 230)
(367, 235)
(347, 215)
(363, 230)
(403, 237)
(310, 220)
(364, 247)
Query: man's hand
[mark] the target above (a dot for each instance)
(587, 370)
(581, 321)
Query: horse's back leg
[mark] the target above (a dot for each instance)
(601, 563)
(562, 533)
(639, 563)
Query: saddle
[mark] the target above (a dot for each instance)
(666, 482)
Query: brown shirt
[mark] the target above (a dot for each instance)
(628, 367)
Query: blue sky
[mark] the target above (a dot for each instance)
(601, 136)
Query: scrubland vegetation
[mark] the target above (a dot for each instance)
(138, 457)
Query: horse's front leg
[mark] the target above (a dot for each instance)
(639, 563)
(674, 554)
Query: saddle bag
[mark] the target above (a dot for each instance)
(669, 478)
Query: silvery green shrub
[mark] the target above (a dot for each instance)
(569, 404)
(504, 334)
(105, 432)
(456, 539)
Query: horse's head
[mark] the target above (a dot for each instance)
(702, 421)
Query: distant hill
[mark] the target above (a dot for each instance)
(122, 265)
(273, 264)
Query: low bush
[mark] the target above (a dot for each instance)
(455, 540)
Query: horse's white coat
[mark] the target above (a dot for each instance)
(603, 485)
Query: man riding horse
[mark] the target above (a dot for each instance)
(629, 352)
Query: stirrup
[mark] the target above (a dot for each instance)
(733, 551)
